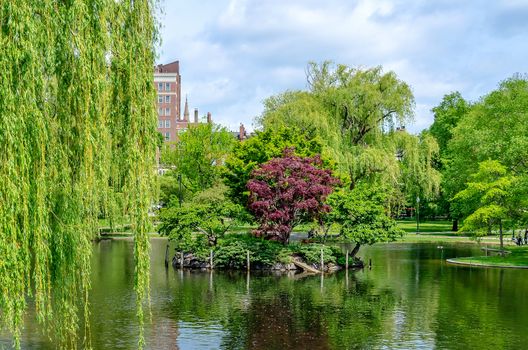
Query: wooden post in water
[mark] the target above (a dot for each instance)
(167, 256)
(247, 281)
(322, 261)
(211, 259)
(181, 260)
(346, 260)
(247, 261)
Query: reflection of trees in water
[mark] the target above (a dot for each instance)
(483, 308)
(446, 306)
(281, 312)
(408, 299)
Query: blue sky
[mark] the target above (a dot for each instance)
(235, 53)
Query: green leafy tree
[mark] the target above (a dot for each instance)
(494, 128)
(362, 216)
(199, 154)
(210, 213)
(486, 202)
(357, 114)
(363, 101)
(77, 138)
(265, 145)
(447, 115)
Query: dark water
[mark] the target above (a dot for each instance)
(410, 299)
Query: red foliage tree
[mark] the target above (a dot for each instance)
(287, 191)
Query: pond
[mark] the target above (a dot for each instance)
(409, 299)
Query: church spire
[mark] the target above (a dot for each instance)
(186, 111)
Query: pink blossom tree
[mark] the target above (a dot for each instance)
(287, 191)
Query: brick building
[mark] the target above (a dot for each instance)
(168, 85)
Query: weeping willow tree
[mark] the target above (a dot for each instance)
(77, 143)
(358, 113)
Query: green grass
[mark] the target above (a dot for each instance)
(434, 238)
(448, 237)
(517, 257)
(426, 226)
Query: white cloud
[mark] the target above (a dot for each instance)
(233, 54)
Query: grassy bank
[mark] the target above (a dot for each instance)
(518, 256)
(409, 225)
(448, 237)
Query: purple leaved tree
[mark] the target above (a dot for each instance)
(287, 191)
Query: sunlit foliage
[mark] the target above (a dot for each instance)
(77, 142)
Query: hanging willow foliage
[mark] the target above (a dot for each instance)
(355, 112)
(77, 142)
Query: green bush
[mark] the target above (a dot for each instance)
(193, 243)
(232, 251)
(230, 254)
(312, 252)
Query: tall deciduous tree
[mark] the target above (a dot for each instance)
(287, 191)
(358, 114)
(210, 212)
(487, 199)
(198, 155)
(495, 128)
(249, 154)
(447, 115)
(362, 216)
(77, 137)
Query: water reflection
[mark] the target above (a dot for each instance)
(409, 299)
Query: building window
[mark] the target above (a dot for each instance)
(160, 99)
(167, 136)
(167, 98)
(160, 86)
(167, 86)
(167, 124)
(160, 111)
(167, 111)
(160, 124)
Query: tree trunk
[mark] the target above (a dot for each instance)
(355, 250)
(352, 182)
(455, 225)
(500, 238)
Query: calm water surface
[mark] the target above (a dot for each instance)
(410, 299)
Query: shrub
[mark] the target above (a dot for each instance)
(311, 253)
(232, 251)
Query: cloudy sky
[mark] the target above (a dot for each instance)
(233, 54)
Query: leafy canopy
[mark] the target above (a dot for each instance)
(356, 113)
(487, 199)
(495, 128)
(77, 143)
(287, 191)
(265, 145)
(362, 216)
(199, 154)
(210, 213)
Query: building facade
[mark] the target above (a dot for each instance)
(167, 80)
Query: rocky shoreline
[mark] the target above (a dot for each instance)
(190, 261)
